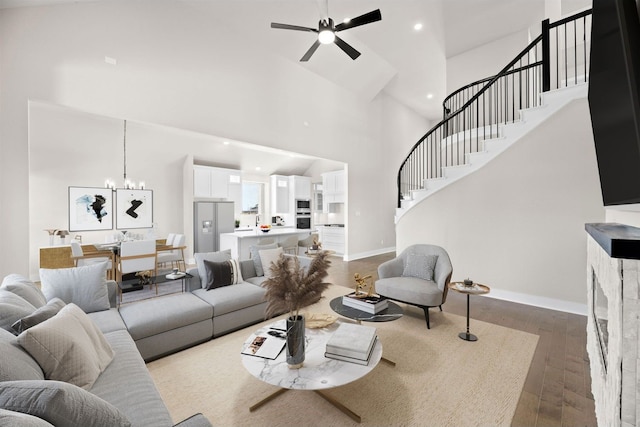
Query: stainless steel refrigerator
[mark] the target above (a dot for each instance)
(209, 220)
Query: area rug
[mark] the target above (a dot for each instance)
(439, 379)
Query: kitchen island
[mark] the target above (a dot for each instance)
(242, 239)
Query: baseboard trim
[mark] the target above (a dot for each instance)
(360, 255)
(538, 301)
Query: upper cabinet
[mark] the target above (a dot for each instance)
(301, 186)
(216, 183)
(280, 195)
(333, 189)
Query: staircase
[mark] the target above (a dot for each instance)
(485, 118)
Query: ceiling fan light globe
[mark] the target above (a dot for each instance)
(326, 36)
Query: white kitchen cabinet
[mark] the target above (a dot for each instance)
(217, 183)
(280, 195)
(333, 189)
(301, 186)
(332, 239)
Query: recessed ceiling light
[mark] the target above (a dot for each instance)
(417, 27)
(226, 142)
(306, 123)
(258, 168)
(345, 20)
(429, 96)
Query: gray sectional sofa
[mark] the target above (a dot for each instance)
(137, 332)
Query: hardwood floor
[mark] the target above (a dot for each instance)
(557, 391)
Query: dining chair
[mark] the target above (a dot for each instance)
(290, 245)
(176, 255)
(136, 256)
(81, 259)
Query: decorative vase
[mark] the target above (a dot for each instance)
(295, 341)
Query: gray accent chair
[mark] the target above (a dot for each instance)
(396, 284)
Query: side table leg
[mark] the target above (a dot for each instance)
(466, 335)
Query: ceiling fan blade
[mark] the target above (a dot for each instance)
(367, 18)
(292, 27)
(346, 47)
(310, 52)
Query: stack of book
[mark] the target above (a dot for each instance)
(352, 343)
(371, 304)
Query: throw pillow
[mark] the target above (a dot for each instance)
(254, 253)
(268, 257)
(84, 286)
(209, 256)
(421, 266)
(68, 347)
(222, 273)
(60, 404)
(12, 308)
(25, 288)
(15, 363)
(40, 315)
(18, 419)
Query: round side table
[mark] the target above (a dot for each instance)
(475, 289)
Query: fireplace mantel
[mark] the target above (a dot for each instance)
(617, 240)
(613, 259)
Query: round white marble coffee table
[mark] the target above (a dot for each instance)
(317, 373)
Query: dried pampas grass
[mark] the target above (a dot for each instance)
(291, 288)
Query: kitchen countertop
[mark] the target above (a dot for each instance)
(275, 231)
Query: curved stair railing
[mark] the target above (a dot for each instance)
(557, 58)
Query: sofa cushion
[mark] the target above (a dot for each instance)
(127, 384)
(59, 403)
(268, 257)
(232, 298)
(209, 256)
(15, 363)
(258, 280)
(254, 252)
(41, 314)
(84, 286)
(108, 320)
(420, 265)
(157, 315)
(12, 308)
(68, 347)
(25, 288)
(18, 419)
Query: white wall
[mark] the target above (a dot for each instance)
(181, 68)
(517, 224)
(484, 61)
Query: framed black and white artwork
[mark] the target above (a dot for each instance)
(90, 208)
(134, 208)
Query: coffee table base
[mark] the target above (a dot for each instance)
(467, 336)
(329, 399)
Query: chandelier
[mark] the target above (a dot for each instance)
(128, 184)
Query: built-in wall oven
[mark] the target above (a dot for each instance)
(303, 221)
(303, 214)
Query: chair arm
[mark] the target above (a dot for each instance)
(442, 275)
(392, 268)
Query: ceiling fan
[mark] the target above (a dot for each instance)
(327, 32)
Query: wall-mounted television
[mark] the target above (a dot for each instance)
(614, 99)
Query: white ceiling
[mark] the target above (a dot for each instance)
(404, 63)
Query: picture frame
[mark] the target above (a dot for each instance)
(90, 208)
(134, 208)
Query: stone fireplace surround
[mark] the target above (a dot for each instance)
(613, 263)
